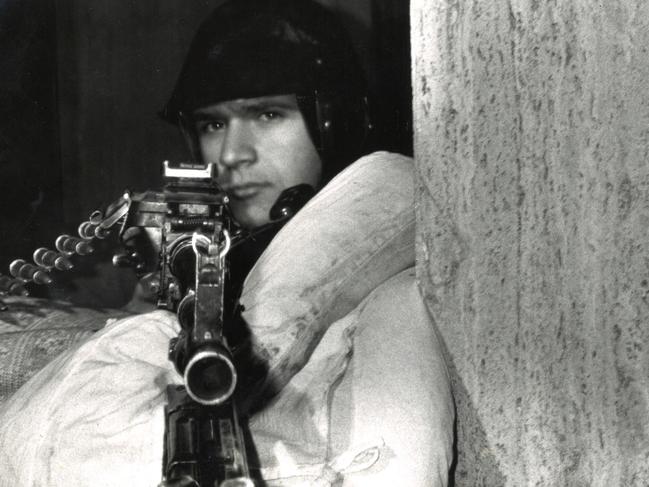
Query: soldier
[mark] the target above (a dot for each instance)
(357, 392)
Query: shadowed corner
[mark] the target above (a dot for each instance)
(474, 462)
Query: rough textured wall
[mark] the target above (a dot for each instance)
(531, 140)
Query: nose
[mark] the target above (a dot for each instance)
(238, 145)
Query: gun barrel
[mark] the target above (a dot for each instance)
(210, 375)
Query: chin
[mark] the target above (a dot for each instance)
(251, 220)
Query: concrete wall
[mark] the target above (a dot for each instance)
(531, 139)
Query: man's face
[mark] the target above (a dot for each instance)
(260, 146)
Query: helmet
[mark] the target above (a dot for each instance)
(253, 48)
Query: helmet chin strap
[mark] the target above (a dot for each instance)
(339, 136)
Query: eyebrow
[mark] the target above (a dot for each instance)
(244, 106)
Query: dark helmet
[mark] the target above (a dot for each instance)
(252, 48)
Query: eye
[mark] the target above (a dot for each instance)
(270, 115)
(209, 126)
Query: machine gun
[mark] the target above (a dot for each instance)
(178, 242)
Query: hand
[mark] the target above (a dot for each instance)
(145, 294)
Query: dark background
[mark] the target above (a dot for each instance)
(81, 83)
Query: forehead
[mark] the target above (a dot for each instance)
(246, 105)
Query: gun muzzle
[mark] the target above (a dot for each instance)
(210, 376)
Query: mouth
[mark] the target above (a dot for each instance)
(245, 191)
